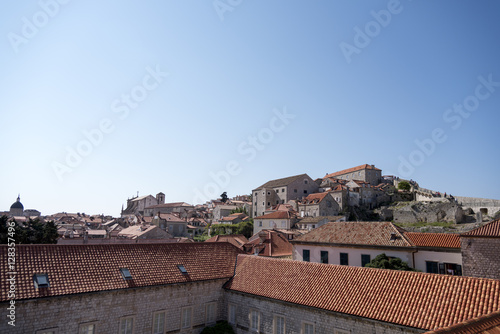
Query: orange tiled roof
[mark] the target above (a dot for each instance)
(276, 215)
(350, 170)
(270, 243)
(237, 240)
(89, 268)
(356, 233)
(314, 198)
(281, 182)
(486, 324)
(419, 300)
(491, 229)
(171, 218)
(439, 240)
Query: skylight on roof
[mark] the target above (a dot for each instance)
(182, 269)
(41, 280)
(126, 273)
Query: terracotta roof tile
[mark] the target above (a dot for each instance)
(237, 240)
(281, 182)
(277, 215)
(350, 170)
(88, 268)
(419, 300)
(357, 233)
(314, 198)
(491, 229)
(169, 205)
(439, 240)
(270, 243)
(486, 324)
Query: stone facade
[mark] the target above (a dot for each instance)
(106, 309)
(221, 211)
(480, 257)
(431, 212)
(367, 173)
(280, 192)
(327, 206)
(296, 315)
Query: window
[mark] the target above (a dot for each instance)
(260, 223)
(126, 273)
(232, 314)
(307, 328)
(344, 259)
(279, 325)
(365, 259)
(431, 267)
(305, 191)
(127, 325)
(87, 329)
(453, 269)
(324, 256)
(305, 181)
(186, 316)
(210, 313)
(268, 203)
(182, 269)
(41, 280)
(283, 190)
(294, 190)
(159, 323)
(254, 320)
(306, 255)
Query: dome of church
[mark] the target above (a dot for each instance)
(17, 204)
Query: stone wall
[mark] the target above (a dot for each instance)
(491, 205)
(480, 257)
(106, 308)
(430, 212)
(296, 315)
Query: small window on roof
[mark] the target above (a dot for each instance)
(41, 280)
(182, 269)
(126, 273)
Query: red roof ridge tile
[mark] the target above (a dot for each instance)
(439, 240)
(479, 325)
(491, 229)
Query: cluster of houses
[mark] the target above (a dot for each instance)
(185, 287)
(302, 271)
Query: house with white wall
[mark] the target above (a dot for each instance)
(357, 243)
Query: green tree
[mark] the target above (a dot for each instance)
(223, 197)
(32, 232)
(245, 228)
(404, 185)
(382, 261)
(241, 209)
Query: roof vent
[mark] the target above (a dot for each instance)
(126, 273)
(393, 236)
(41, 280)
(182, 269)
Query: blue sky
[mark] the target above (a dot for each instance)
(101, 100)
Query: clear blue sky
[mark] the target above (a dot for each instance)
(172, 93)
